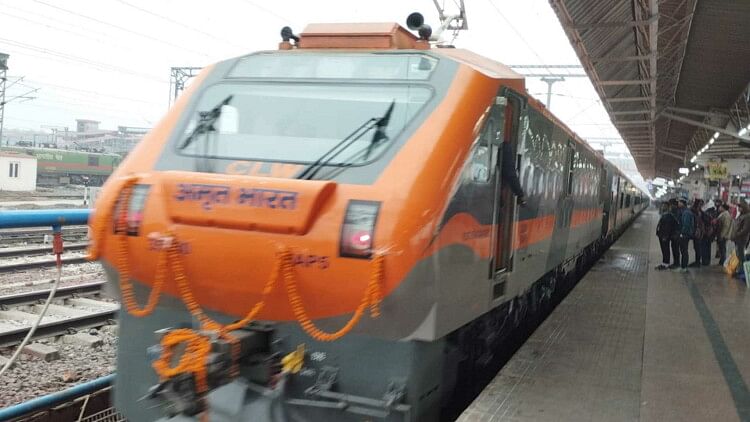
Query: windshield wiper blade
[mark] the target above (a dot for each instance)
(206, 122)
(380, 124)
(380, 128)
(312, 169)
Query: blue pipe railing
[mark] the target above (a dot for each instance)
(46, 402)
(41, 218)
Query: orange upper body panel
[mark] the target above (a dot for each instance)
(231, 246)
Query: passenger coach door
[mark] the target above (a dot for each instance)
(604, 202)
(511, 106)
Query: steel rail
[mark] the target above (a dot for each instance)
(28, 298)
(28, 250)
(40, 264)
(60, 327)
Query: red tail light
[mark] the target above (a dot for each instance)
(359, 229)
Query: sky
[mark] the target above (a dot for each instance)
(109, 60)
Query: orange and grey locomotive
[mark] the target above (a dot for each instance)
(324, 232)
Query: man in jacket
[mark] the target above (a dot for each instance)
(508, 172)
(725, 229)
(742, 233)
(675, 240)
(666, 230)
(687, 228)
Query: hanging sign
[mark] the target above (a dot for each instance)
(716, 170)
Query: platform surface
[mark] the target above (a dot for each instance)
(630, 343)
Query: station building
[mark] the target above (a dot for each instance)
(17, 172)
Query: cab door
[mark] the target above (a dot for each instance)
(510, 107)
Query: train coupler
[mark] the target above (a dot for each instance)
(191, 364)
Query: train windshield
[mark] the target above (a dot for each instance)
(298, 122)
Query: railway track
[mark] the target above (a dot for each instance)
(38, 250)
(72, 310)
(37, 235)
(42, 263)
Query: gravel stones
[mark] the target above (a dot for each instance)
(32, 377)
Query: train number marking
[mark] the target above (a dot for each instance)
(307, 261)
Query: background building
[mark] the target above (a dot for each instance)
(17, 171)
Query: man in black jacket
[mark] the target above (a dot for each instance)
(666, 230)
(509, 172)
(675, 241)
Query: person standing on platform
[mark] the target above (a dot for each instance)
(666, 230)
(709, 233)
(675, 241)
(713, 212)
(724, 230)
(699, 232)
(687, 229)
(742, 233)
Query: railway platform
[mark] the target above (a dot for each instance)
(632, 343)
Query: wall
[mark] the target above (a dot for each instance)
(26, 180)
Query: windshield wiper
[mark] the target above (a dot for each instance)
(380, 127)
(206, 122)
(380, 124)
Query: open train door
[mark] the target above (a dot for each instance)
(604, 198)
(511, 106)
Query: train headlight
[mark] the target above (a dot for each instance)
(359, 228)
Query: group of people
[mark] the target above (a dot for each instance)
(679, 224)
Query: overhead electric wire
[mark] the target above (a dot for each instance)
(121, 28)
(513, 28)
(180, 24)
(82, 60)
(88, 37)
(92, 93)
(56, 28)
(267, 11)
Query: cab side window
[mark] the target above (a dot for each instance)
(483, 155)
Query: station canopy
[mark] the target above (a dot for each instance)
(671, 74)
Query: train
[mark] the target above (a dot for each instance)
(322, 232)
(61, 166)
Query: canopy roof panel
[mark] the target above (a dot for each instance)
(650, 60)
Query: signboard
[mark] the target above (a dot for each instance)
(716, 170)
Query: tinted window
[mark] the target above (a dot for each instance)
(300, 122)
(335, 66)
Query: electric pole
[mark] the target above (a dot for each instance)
(178, 77)
(549, 73)
(3, 80)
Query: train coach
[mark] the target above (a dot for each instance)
(322, 232)
(62, 166)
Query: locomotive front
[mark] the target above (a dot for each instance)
(274, 238)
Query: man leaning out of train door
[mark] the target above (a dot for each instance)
(509, 174)
(666, 230)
